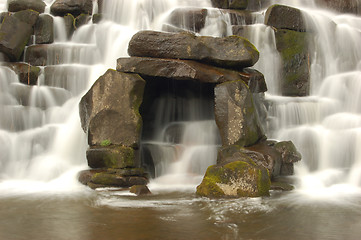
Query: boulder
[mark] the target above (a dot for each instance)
(74, 7)
(294, 51)
(27, 16)
(285, 17)
(111, 157)
(289, 155)
(232, 4)
(235, 179)
(110, 109)
(105, 179)
(263, 154)
(176, 69)
(140, 190)
(236, 115)
(37, 55)
(18, 5)
(14, 35)
(27, 74)
(97, 178)
(192, 19)
(238, 4)
(44, 29)
(230, 52)
(254, 79)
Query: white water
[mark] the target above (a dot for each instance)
(43, 146)
(325, 126)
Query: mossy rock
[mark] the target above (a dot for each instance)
(293, 47)
(235, 179)
(111, 157)
(105, 179)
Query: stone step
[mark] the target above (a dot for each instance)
(62, 53)
(73, 78)
(39, 96)
(20, 118)
(285, 112)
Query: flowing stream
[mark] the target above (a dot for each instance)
(43, 146)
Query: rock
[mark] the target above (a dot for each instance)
(289, 154)
(44, 29)
(74, 7)
(343, 6)
(220, 3)
(192, 19)
(81, 20)
(14, 35)
(254, 79)
(230, 52)
(264, 154)
(27, 16)
(261, 154)
(85, 176)
(176, 69)
(37, 55)
(96, 18)
(111, 157)
(27, 74)
(293, 47)
(140, 190)
(285, 17)
(232, 4)
(236, 115)
(110, 109)
(105, 179)
(235, 179)
(96, 178)
(238, 4)
(18, 5)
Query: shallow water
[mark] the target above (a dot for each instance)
(176, 215)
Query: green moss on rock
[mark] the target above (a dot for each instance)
(235, 179)
(111, 157)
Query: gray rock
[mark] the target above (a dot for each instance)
(74, 7)
(235, 179)
(285, 17)
(110, 109)
(44, 29)
(236, 115)
(27, 74)
(18, 5)
(294, 51)
(14, 35)
(230, 52)
(111, 157)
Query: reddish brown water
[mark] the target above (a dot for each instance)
(107, 215)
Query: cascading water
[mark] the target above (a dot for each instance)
(40, 130)
(43, 147)
(326, 125)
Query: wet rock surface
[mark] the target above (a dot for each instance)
(230, 52)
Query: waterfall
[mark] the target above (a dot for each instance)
(324, 126)
(42, 143)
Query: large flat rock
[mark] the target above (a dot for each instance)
(229, 52)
